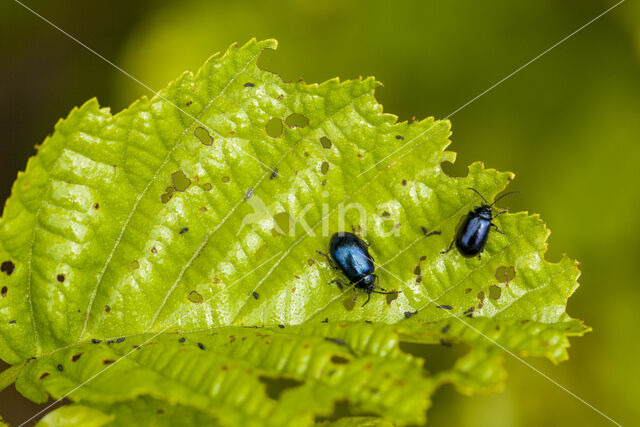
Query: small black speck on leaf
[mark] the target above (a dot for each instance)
(12, 322)
(3, 291)
(255, 295)
(201, 346)
(184, 230)
(183, 339)
(189, 103)
(60, 368)
(446, 307)
(249, 194)
(326, 320)
(444, 343)
(445, 329)
(95, 341)
(60, 278)
(399, 137)
(7, 267)
(274, 173)
(281, 326)
(75, 357)
(119, 340)
(110, 341)
(249, 85)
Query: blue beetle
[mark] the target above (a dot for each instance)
(350, 254)
(473, 233)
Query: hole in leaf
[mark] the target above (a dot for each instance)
(324, 168)
(107, 309)
(164, 198)
(135, 264)
(297, 120)
(438, 357)
(274, 387)
(348, 303)
(203, 135)
(7, 267)
(207, 186)
(391, 298)
(505, 274)
(326, 142)
(195, 297)
(180, 181)
(494, 292)
(96, 206)
(225, 179)
(339, 360)
(60, 278)
(274, 127)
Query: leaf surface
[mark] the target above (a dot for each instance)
(198, 214)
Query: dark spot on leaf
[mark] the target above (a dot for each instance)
(96, 206)
(110, 342)
(445, 329)
(183, 339)
(470, 310)
(195, 297)
(189, 103)
(201, 346)
(207, 186)
(385, 214)
(324, 168)
(255, 295)
(119, 340)
(336, 341)
(160, 411)
(180, 181)
(274, 173)
(404, 182)
(274, 127)
(446, 307)
(44, 375)
(466, 291)
(248, 194)
(203, 135)
(225, 179)
(281, 326)
(4, 291)
(297, 120)
(326, 320)
(310, 261)
(135, 264)
(444, 343)
(326, 142)
(60, 368)
(505, 274)
(164, 198)
(339, 360)
(495, 292)
(154, 250)
(274, 387)
(184, 230)
(417, 270)
(12, 322)
(107, 361)
(203, 209)
(249, 84)
(60, 278)
(95, 341)
(389, 298)
(75, 357)
(7, 267)
(107, 309)
(348, 303)
(399, 137)
(408, 314)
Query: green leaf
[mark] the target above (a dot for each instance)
(198, 214)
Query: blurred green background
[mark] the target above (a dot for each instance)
(568, 125)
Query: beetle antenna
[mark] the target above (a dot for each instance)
(478, 193)
(387, 292)
(505, 194)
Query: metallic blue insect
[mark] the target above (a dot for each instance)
(473, 233)
(351, 255)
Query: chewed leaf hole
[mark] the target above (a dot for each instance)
(297, 120)
(438, 357)
(195, 297)
(75, 357)
(203, 135)
(326, 142)
(180, 181)
(391, 298)
(324, 168)
(7, 267)
(495, 291)
(4, 291)
(505, 274)
(60, 278)
(274, 387)
(348, 303)
(135, 264)
(274, 127)
(339, 360)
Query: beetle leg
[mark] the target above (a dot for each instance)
(496, 227)
(329, 260)
(450, 247)
(368, 298)
(355, 291)
(340, 283)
